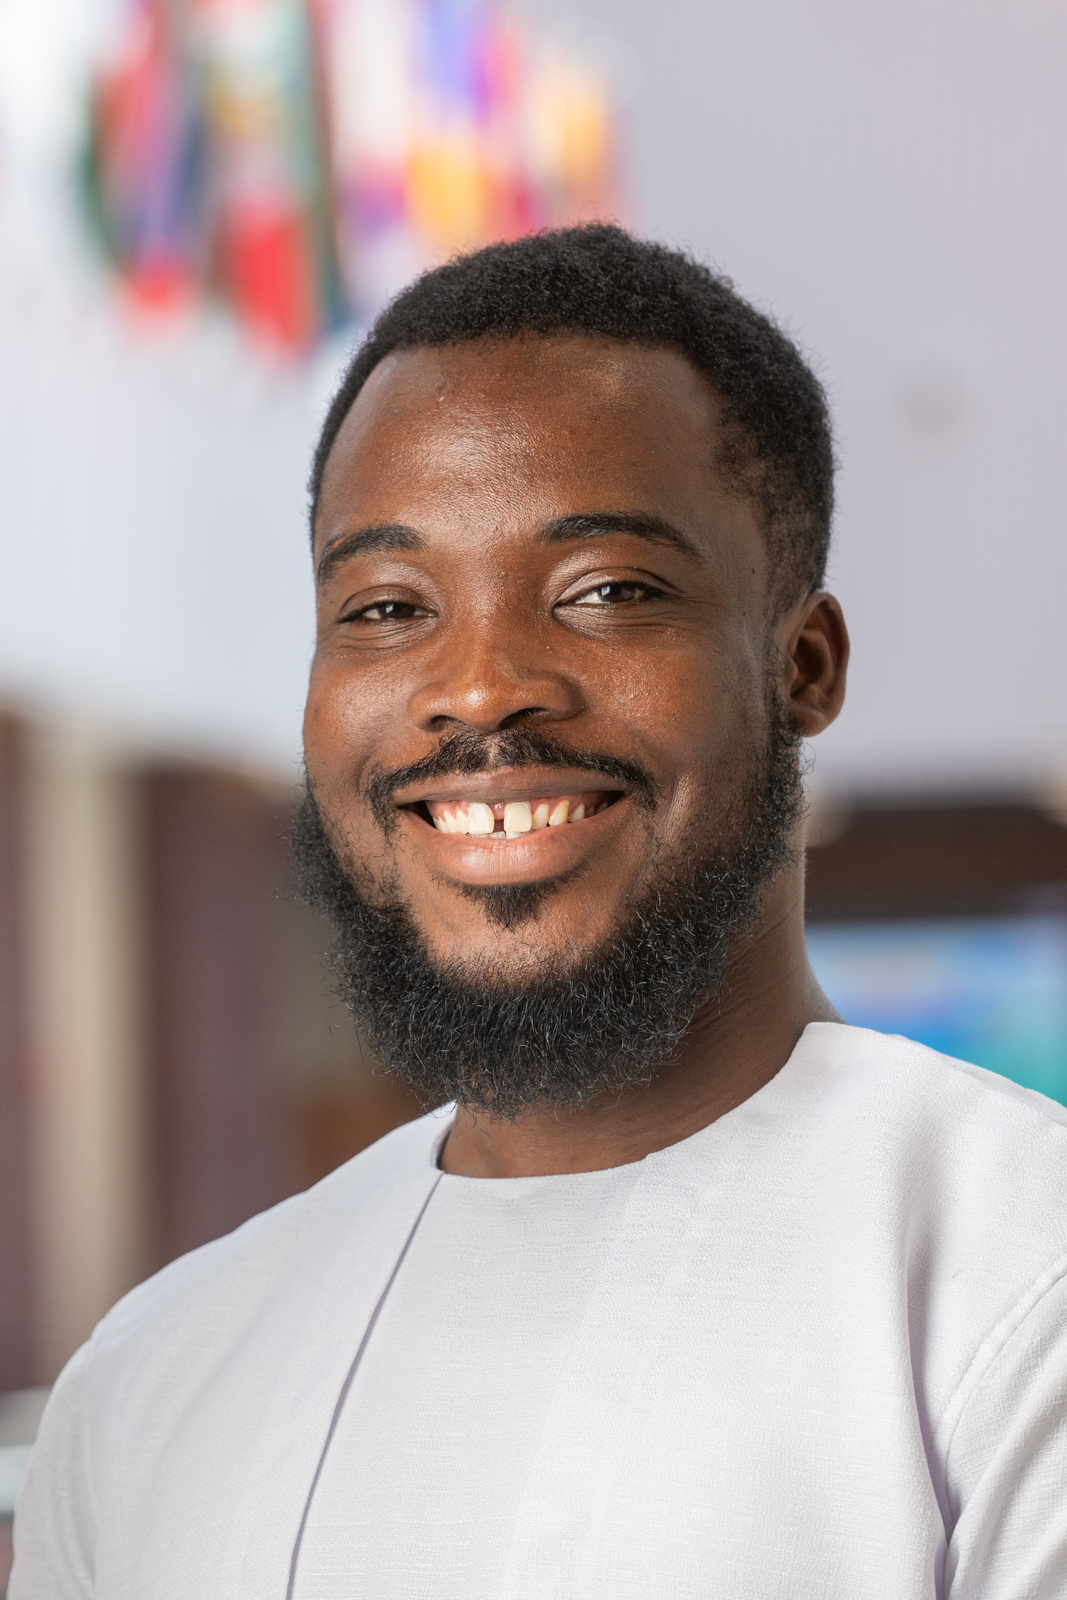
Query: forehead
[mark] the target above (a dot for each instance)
(541, 426)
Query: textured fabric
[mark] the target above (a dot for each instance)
(423, 1478)
(818, 1351)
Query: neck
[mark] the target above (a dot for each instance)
(733, 1047)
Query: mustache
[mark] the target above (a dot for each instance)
(463, 753)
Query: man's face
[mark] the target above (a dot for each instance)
(532, 537)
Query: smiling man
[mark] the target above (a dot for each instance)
(695, 1291)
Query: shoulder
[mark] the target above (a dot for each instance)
(215, 1377)
(947, 1129)
(966, 1171)
(229, 1283)
(908, 1084)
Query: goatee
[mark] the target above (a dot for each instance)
(603, 1018)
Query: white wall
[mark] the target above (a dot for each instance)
(890, 180)
(153, 560)
(153, 548)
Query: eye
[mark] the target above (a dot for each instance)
(386, 611)
(616, 594)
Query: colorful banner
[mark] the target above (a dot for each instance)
(453, 124)
(305, 158)
(268, 193)
(145, 160)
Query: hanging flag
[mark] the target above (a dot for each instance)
(305, 158)
(454, 123)
(144, 160)
(268, 199)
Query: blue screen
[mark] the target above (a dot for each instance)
(991, 990)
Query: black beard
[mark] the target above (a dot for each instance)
(606, 1019)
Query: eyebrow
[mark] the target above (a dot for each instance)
(593, 524)
(561, 530)
(364, 541)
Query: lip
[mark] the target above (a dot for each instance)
(493, 859)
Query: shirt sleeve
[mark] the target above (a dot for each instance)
(1007, 1468)
(55, 1525)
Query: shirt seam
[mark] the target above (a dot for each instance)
(992, 1347)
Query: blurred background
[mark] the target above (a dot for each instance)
(202, 202)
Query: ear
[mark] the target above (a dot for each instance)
(814, 643)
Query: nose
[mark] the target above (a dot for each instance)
(489, 678)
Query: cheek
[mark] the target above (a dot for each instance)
(694, 721)
(344, 720)
(326, 719)
(340, 743)
(687, 707)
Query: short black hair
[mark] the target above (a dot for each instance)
(599, 280)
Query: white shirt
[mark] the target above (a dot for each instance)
(424, 1477)
(818, 1351)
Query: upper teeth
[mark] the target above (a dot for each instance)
(480, 818)
(518, 816)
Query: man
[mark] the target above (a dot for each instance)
(698, 1292)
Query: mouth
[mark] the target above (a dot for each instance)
(506, 808)
(515, 825)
